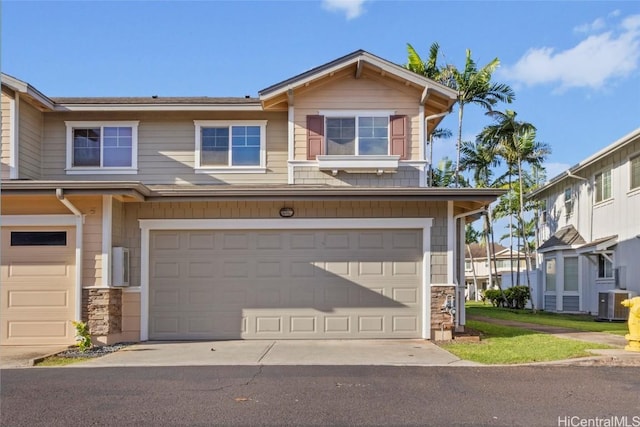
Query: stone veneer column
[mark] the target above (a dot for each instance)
(102, 310)
(441, 322)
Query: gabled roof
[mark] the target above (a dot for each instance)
(478, 250)
(620, 143)
(358, 58)
(565, 238)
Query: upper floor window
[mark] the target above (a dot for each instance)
(228, 145)
(634, 164)
(102, 147)
(603, 185)
(568, 201)
(360, 135)
(345, 133)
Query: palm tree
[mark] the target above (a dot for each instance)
(474, 86)
(428, 68)
(481, 158)
(515, 142)
(443, 175)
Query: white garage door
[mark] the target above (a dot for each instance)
(285, 284)
(38, 282)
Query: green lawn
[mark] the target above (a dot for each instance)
(508, 345)
(581, 322)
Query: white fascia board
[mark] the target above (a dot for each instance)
(23, 87)
(155, 107)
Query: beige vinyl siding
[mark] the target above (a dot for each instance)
(5, 149)
(91, 207)
(303, 209)
(166, 146)
(369, 92)
(117, 223)
(130, 316)
(30, 134)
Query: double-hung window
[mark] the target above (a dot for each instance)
(568, 201)
(102, 147)
(227, 146)
(603, 185)
(357, 135)
(634, 172)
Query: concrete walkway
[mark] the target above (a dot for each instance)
(285, 352)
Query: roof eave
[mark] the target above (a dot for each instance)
(25, 88)
(620, 143)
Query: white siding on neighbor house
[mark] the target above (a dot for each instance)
(31, 127)
(617, 215)
(369, 92)
(5, 147)
(166, 146)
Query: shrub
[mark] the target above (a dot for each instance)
(495, 296)
(515, 297)
(83, 337)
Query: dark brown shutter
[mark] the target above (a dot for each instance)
(399, 137)
(315, 136)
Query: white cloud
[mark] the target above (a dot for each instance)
(352, 8)
(592, 63)
(596, 25)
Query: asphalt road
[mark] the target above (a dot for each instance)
(319, 395)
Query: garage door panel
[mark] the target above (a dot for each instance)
(285, 284)
(37, 300)
(38, 286)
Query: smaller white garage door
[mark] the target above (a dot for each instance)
(38, 285)
(206, 284)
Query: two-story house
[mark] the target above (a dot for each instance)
(477, 267)
(300, 213)
(590, 228)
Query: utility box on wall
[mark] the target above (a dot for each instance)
(120, 266)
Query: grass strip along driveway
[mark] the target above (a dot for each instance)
(510, 344)
(580, 322)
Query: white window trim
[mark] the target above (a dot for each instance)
(148, 225)
(102, 170)
(632, 190)
(261, 168)
(595, 183)
(568, 203)
(342, 114)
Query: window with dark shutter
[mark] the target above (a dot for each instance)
(399, 134)
(315, 136)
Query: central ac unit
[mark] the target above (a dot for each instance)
(609, 307)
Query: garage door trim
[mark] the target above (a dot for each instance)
(147, 225)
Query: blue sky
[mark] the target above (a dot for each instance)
(574, 65)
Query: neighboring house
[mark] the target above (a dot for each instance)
(476, 267)
(302, 213)
(590, 228)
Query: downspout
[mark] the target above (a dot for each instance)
(79, 233)
(461, 318)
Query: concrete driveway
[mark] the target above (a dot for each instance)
(287, 352)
